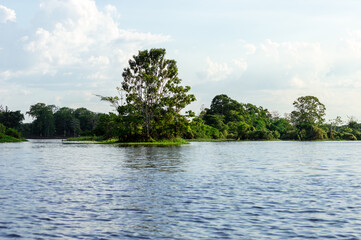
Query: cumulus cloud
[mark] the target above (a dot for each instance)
(217, 71)
(75, 47)
(71, 46)
(74, 37)
(273, 64)
(82, 32)
(7, 14)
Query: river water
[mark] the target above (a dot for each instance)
(208, 190)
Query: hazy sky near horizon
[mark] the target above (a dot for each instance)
(267, 53)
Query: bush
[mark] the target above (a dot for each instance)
(198, 130)
(318, 133)
(2, 129)
(290, 135)
(13, 133)
(260, 135)
(357, 134)
(349, 136)
(276, 134)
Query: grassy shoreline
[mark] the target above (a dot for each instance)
(9, 139)
(97, 140)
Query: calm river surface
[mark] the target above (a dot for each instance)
(224, 190)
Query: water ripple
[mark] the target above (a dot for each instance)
(235, 190)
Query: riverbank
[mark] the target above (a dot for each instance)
(95, 140)
(9, 139)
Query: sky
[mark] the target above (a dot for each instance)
(268, 53)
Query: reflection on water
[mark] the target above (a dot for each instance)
(168, 159)
(234, 190)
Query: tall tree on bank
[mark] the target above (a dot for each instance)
(44, 124)
(309, 117)
(153, 96)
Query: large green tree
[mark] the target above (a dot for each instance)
(44, 124)
(154, 97)
(309, 110)
(237, 120)
(66, 124)
(308, 117)
(10, 119)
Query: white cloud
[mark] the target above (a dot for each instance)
(112, 11)
(352, 42)
(274, 73)
(240, 63)
(80, 34)
(296, 82)
(250, 48)
(100, 60)
(217, 71)
(71, 47)
(7, 14)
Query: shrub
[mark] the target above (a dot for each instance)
(13, 133)
(262, 134)
(348, 136)
(357, 134)
(2, 128)
(276, 134)
(290, 135)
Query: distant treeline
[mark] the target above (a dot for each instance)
(224, 119)
(51, 121)
(228, 119)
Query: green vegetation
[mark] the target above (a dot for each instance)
(154, 99)
(9, 135)
(227, 119)
(308, 118)
(176, 141)
(150, 110)
(86, 138)
(10, 122)
(51, 121)
(97, 140)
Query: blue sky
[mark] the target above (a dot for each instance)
(264, 52)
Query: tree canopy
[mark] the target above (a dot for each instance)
(11, 119)
(154, 98)
(308, 117)
(309, 110)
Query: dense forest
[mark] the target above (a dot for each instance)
(225, 119)
(151, 106)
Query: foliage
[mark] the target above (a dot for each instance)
(7, 139)
(44, 124)
(86, 138)
(11, 119)
(52, 121)
(88, 120)
(348, 136)
(153, 99)
(235, 120)
(308, 118)
(198, 130)
(2, 128)
(9, 135)
(13, 133)
(309, 111)
(164, 142)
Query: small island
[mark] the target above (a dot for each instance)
(9, 135)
